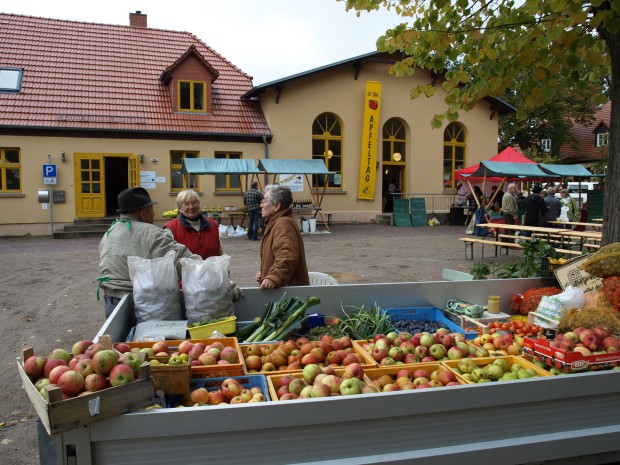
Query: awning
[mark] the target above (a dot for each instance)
(292, 166)
(564, 171)
(509, 170)
(508, 155)
(219, 166)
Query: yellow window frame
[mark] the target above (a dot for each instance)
(4, 166)
(228, 156)
(191, 96)
(454, 136)
(326, 137)
(176, 168)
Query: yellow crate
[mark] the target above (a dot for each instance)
(511, 359)
(227, 326)
(376, 373)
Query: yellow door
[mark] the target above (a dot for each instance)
(89, 185)
(134, 170)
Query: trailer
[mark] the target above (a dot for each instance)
(557, 419)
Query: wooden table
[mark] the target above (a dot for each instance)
(595, 226)
(548, 232)
(583, 236)
(598, 220)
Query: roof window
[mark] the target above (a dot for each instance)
(10, 79)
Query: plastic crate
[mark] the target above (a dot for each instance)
(427, 314)
(376, 373)
(227, 326)
(511, 359)
(546, 268)
(213, 384)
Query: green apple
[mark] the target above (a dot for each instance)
(175, 360)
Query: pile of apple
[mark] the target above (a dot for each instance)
(588, 341)
(89, 367)
(230, 392)
(199, 353)
(405, 380)
(316, 381)
(495, 344)
(499, 370)
(403, 348)
(296, 354)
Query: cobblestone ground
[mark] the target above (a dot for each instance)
(48, 294)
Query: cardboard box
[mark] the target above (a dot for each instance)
(59, 415)
(567, 360)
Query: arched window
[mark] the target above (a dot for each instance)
(454, 149)
(327, 141)
(394, 141)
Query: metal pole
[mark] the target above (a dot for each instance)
(49, 162)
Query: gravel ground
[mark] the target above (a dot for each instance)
(48, 294)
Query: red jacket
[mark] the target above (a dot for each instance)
(205, 242)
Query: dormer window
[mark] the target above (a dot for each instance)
(192, 95)
(10, 79)
(602, 139)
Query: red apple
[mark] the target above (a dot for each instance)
(83, 367)
(80, 347)
(95, 382)
(93, 349)
(353, 370)
(103, 361)
(56, 372)
(122, 347)
(70, 382)
(121, 374)
(334, 357)
(52, 363)
(185, 347)
(229, 354)
(446, 376)
(420, 373)
(230, 388)
(33, 366)
(351, 359)
(253, 362)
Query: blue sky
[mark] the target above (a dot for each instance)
(267, 39)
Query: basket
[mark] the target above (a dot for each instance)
(227, 326)
(427, 314)
(213, 384)
(172, 379)
(546, 268)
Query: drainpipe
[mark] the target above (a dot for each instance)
(266, 180)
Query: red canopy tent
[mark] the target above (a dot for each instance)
(508, 155)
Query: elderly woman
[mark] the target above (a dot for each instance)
(569, 205)
(282, 255)
(192, 229)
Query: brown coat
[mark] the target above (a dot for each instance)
(282, 254)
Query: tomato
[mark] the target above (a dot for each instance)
(521, 324)
(492, 330)
(491, 325)
(527, 328)
(505, 327)
(535, 329)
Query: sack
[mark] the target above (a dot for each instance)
(240, 232)
(230, 231)
(155, 288)
(552, 308)
(564, 213)
(470, 226)
(305, 226)
(222, 230)
(206, 288)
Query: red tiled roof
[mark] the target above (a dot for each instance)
(102, 77)
(586, 149)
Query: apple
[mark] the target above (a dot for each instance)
(185, 347)
(309, 359)
(410, 358)
(351, 386)
(591, 341)
(427, 340)
(41, 383)
(420, 373)
(390, 388)
(324, 346)
(216, 397)
(351, 358)
(254, 349)
(455, 353)
(95, 382)
(93, 349)
(161, 346)
(258, 397)
(80, 347)
(391, 336)
(353, 370)
(420, 352)
(296, 385)
(229, 354)
(291, 396)
(404, 372)
(428, 359)
(318, 353)
(176, 360)
(194, 352)
(70, 382)
(369, 390)
(437, 351)
(333, 382)
(401, 381)
(122, 347)
(253, 362)
(246, 395)
(200, 396)
(383, 380)
(269, 367)
(334, 357)
(383, 344)
(571, 336)
(396, 353)
(611, 342)
(446, 376)
(320, 390)
(83, 367)
(33, 366)
(301, 341)
(121, 374)
(379, 354)
(582, 350)
(602, 331)
(230, 388)
(103, 361)
(132, 360)
(56, 372)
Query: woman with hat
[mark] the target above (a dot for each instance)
(192, 229)
(534, 208)
(133, 234)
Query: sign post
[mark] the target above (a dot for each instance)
(49, 179)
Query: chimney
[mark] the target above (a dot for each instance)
(137, 19)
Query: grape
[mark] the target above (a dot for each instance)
(416, 326)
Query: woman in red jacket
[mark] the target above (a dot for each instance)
(192, 229)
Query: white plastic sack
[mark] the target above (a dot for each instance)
(564, 213)
(206, 288)
(305, 226)
(230, 231)
(222, 230)
(240, 232)
(572, 298)
(155, 288)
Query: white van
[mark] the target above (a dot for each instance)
(573, 190)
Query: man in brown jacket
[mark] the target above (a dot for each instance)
(282, 255)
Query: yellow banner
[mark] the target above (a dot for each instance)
(370, 135)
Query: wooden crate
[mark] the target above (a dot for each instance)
(376, 373)
(172, 379)
(59, 415)
(365, 359)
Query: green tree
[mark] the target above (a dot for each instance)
(542, 41)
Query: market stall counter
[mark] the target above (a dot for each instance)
(550, 419)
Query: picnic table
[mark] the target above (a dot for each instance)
(595, 226)
(583, 236)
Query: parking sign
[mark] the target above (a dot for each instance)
(49, 174)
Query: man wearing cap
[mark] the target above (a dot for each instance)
(535, 208)
(133, 234)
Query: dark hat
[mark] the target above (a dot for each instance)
(537, 190)
(133, 199)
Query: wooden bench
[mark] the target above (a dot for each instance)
(470, 241)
